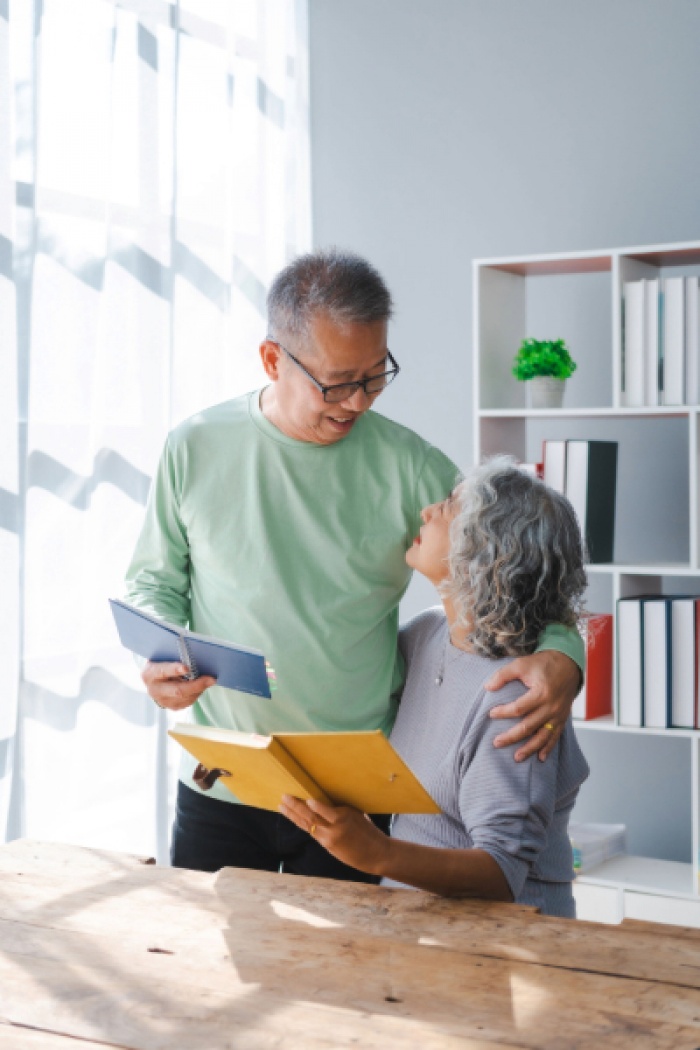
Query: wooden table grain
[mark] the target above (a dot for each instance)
(102, 949)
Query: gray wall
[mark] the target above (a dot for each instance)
(444, 130)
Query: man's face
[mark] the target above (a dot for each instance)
(333, 353)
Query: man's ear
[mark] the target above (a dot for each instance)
(270, 356)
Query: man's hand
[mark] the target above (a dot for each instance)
(165, 685)
(553, 680)
(345, 832)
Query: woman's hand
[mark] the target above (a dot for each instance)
(347, 834)
(553, 680)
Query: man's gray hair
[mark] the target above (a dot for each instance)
(339, 285)
(516, 559)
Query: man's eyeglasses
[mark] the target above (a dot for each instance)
(343, 391)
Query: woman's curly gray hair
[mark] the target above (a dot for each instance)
(516, 559)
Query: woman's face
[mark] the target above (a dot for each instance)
(430, 549)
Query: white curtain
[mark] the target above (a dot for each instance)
(154, 176)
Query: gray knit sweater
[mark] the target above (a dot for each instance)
(516, 811)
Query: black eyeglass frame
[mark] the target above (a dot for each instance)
(355, 383)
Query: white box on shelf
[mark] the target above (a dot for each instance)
(593, 844)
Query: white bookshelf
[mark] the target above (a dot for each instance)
(577, 296)
(562, 413)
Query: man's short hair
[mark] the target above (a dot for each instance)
(340, 285)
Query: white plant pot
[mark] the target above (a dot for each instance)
(545, 392)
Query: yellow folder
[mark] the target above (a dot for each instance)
(353, 769)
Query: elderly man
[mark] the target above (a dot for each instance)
(280, 520)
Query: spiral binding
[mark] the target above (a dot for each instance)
(187, 658)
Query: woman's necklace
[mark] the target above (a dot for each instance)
(440, 677)
(447, 647)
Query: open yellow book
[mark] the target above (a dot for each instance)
(353, 769)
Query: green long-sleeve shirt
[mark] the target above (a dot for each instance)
(298, 550)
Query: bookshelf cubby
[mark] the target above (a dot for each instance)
(648, 779)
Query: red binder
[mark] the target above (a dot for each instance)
(596, 698)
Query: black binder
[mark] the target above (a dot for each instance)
(591, 487)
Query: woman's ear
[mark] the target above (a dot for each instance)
(270, 357)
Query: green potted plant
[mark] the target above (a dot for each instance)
(545, 365)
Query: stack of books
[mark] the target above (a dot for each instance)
(593, 844)
(660, 342)
(586, 473)
(657, 661)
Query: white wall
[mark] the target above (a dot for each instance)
(444, 130)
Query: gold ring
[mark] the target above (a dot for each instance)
(550, 726)
(312, 829)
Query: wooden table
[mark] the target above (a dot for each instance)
(103, 950)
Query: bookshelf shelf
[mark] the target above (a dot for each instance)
(619, 412)
(549, 265)
(644, 874)
(652, 780)
(609, 725)
(667, 255)
(668, 569)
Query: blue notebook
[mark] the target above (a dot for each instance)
(233, 666)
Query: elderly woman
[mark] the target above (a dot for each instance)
(505, 553)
